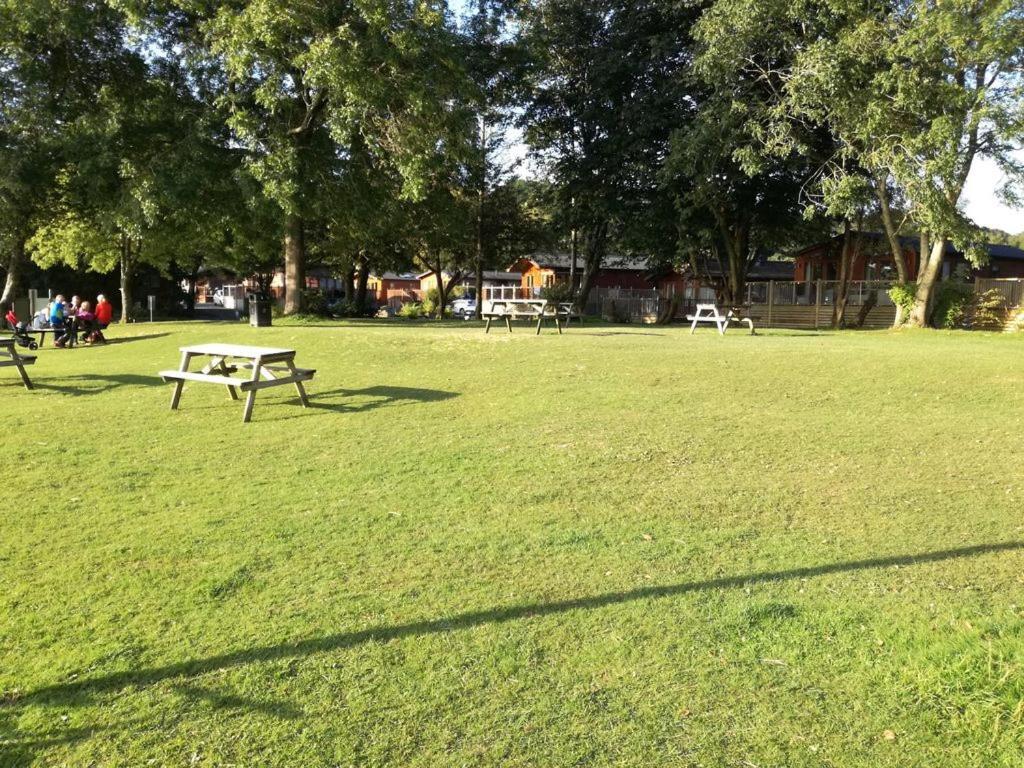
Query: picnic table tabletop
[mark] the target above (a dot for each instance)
(237, 350)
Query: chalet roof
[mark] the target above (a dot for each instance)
(762, 268)
(488, 275)
(560, 260)
(995, 250)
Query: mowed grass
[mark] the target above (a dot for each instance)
(623, 546)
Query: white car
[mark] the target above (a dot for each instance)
(464, 308)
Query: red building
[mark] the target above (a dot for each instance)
(873, 261)
(543, 269)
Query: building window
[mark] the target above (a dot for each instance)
(529, 281)
(549, 280)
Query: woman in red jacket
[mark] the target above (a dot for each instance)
(104, 311)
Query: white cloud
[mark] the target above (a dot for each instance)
(981, 203)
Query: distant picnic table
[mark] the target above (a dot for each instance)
(712, 315)
(270, 366)
(528, 309)
(10, 358)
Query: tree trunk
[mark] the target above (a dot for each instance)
(190, 297)
(127, 269)
(851, 249)
(893, 237)
(866, 307)
(349, 284)
(592, 263)
(927, 276)
(574, 250)
(363, 276)
(15, 260)
(294, 264)
(479, 289)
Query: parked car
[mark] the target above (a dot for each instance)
(464, 308)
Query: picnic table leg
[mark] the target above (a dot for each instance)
(508, 322)
(487, 328)
(693, 328)
(298, 384)
(21, 368)
(540, 322)
(558, 325)
(220, 364)
(186, 358)
(250, 399)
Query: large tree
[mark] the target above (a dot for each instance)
(912, 93)
(605, 95)
(56, 58)
(305, 80)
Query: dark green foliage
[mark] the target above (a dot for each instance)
(952, 300)
(557, 293)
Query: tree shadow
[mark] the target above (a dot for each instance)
(617, 333)
(103, 382)
(130, 339)
(72, 692)
(282, 710)
(372, 398)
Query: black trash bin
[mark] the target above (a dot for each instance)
(260, 315)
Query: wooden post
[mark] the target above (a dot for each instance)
(186, 358)
(817, 303)
(771, 302)
(250, 401)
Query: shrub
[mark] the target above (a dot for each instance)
(952, 300)
(346, 308)
(903, 297)
(411, 310)
(430, 301)
(314, 303)
(988, 311)
(558, 293)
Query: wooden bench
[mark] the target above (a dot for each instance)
(270, 368)
(9, 358)
(711, 315)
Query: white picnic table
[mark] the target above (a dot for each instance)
(9, 358)
(711, 314)
(271, 367)
(528, 309)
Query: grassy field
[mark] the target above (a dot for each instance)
(623, 546)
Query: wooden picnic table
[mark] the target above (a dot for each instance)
(267, 365)
(528, 309)
(712, 315)
(9, 358)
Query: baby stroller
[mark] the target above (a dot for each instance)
(20, 331)
(93, 335)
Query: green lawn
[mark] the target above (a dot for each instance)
(623, 546)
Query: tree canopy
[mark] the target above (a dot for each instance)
(387, 134)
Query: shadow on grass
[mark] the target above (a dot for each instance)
(130, 339)
(372, 398)
(74, 692)
(228, 701)
(105, 382)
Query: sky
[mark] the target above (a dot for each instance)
(982, 204)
